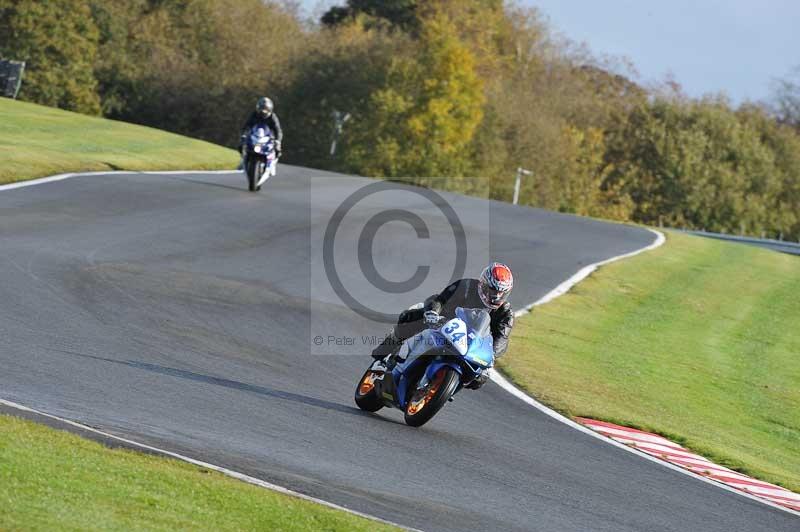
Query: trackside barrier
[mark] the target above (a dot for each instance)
(775, 245)
(10, 77)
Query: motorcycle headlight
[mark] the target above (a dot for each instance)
(257, 148)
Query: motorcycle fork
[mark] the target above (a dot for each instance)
(423, 382)
(387, 389)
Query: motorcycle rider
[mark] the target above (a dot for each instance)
(263, 115)
(489, 291)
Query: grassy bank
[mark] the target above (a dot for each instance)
(698, 340)
(36, 141)
(53, 480)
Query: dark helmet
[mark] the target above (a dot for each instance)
(494, 284)
(264, 107)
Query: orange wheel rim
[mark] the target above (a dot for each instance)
(415, 406)
(367, 383)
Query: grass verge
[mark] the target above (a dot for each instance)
(53, 480)
(37, 141)
(698, 340)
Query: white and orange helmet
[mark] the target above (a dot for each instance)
(494, 284)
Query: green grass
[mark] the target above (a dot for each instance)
(53, 480)
(698, 340)
(37, 141)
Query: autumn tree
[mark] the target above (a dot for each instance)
(422, 120)
(783, 144)
(58, 42)
(697, 164)
(340, 75)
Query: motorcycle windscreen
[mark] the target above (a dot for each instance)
(477, 320)
(481, 344)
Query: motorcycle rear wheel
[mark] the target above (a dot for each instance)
(426, 402)
(367, 392)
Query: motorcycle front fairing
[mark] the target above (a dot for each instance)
(469, 336)
(261, 141)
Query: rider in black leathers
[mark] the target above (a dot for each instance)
(265, 115)
(466, 293)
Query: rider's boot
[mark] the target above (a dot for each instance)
(387, 350)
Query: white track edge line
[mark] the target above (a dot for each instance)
(61, 177)
(562, 289)
(227, 472)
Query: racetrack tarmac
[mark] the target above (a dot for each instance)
(178, 310)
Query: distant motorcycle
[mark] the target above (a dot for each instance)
(438, 363)
(260, 158)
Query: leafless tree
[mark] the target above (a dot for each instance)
(786, 98)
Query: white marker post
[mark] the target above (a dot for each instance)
(339, 120)
(520, 172)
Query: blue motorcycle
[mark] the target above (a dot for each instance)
(433, 366)
(260, 157)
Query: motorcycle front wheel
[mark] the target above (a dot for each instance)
(260, 169)
(426, 401)
(250, 169)
(367, 392)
